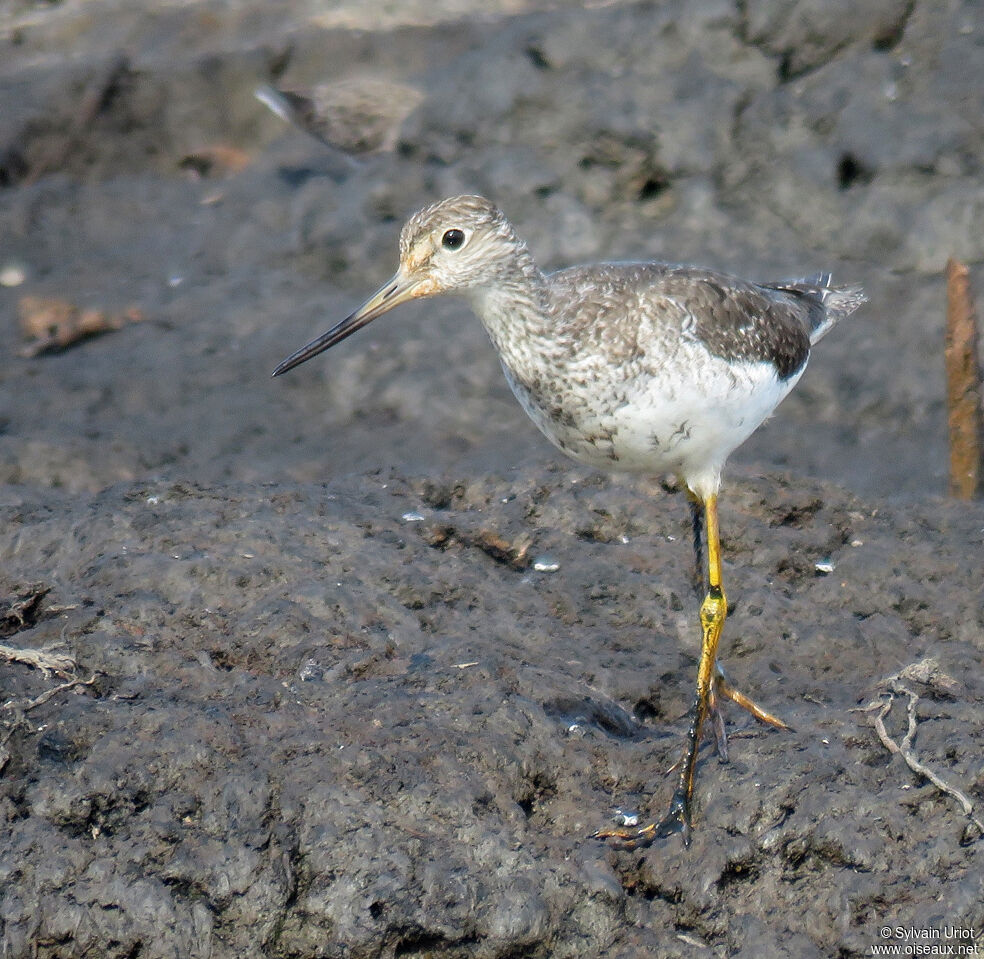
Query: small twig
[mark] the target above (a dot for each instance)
(48, 663)
(963, 377)
(906, 751)
(44, 697)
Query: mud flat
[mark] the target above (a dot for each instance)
(353, 662)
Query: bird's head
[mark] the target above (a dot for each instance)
(459, 244)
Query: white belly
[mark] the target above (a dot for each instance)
(686, 423)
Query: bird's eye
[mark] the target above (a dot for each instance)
(453, 239)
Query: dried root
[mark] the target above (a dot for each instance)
(927, 672)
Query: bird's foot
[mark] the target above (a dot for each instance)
(676, 820)
(723, 687)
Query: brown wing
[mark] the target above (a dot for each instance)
(733, 319)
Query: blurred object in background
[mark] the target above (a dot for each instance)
(357, 117)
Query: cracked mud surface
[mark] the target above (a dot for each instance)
(369, 660)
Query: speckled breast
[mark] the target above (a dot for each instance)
(686, 419)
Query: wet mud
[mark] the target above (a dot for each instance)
(351, 663)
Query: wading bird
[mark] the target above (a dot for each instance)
(638, 367)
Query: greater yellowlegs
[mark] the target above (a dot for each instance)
(639, 367)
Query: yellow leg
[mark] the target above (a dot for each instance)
(713, 613)
(711, 684)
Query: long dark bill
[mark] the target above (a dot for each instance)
(397, 291)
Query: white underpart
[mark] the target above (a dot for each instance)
(686, 421)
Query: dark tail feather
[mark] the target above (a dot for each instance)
(835, 302)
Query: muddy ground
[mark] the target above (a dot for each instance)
(356, 660)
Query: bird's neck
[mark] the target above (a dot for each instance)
(517, 312)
